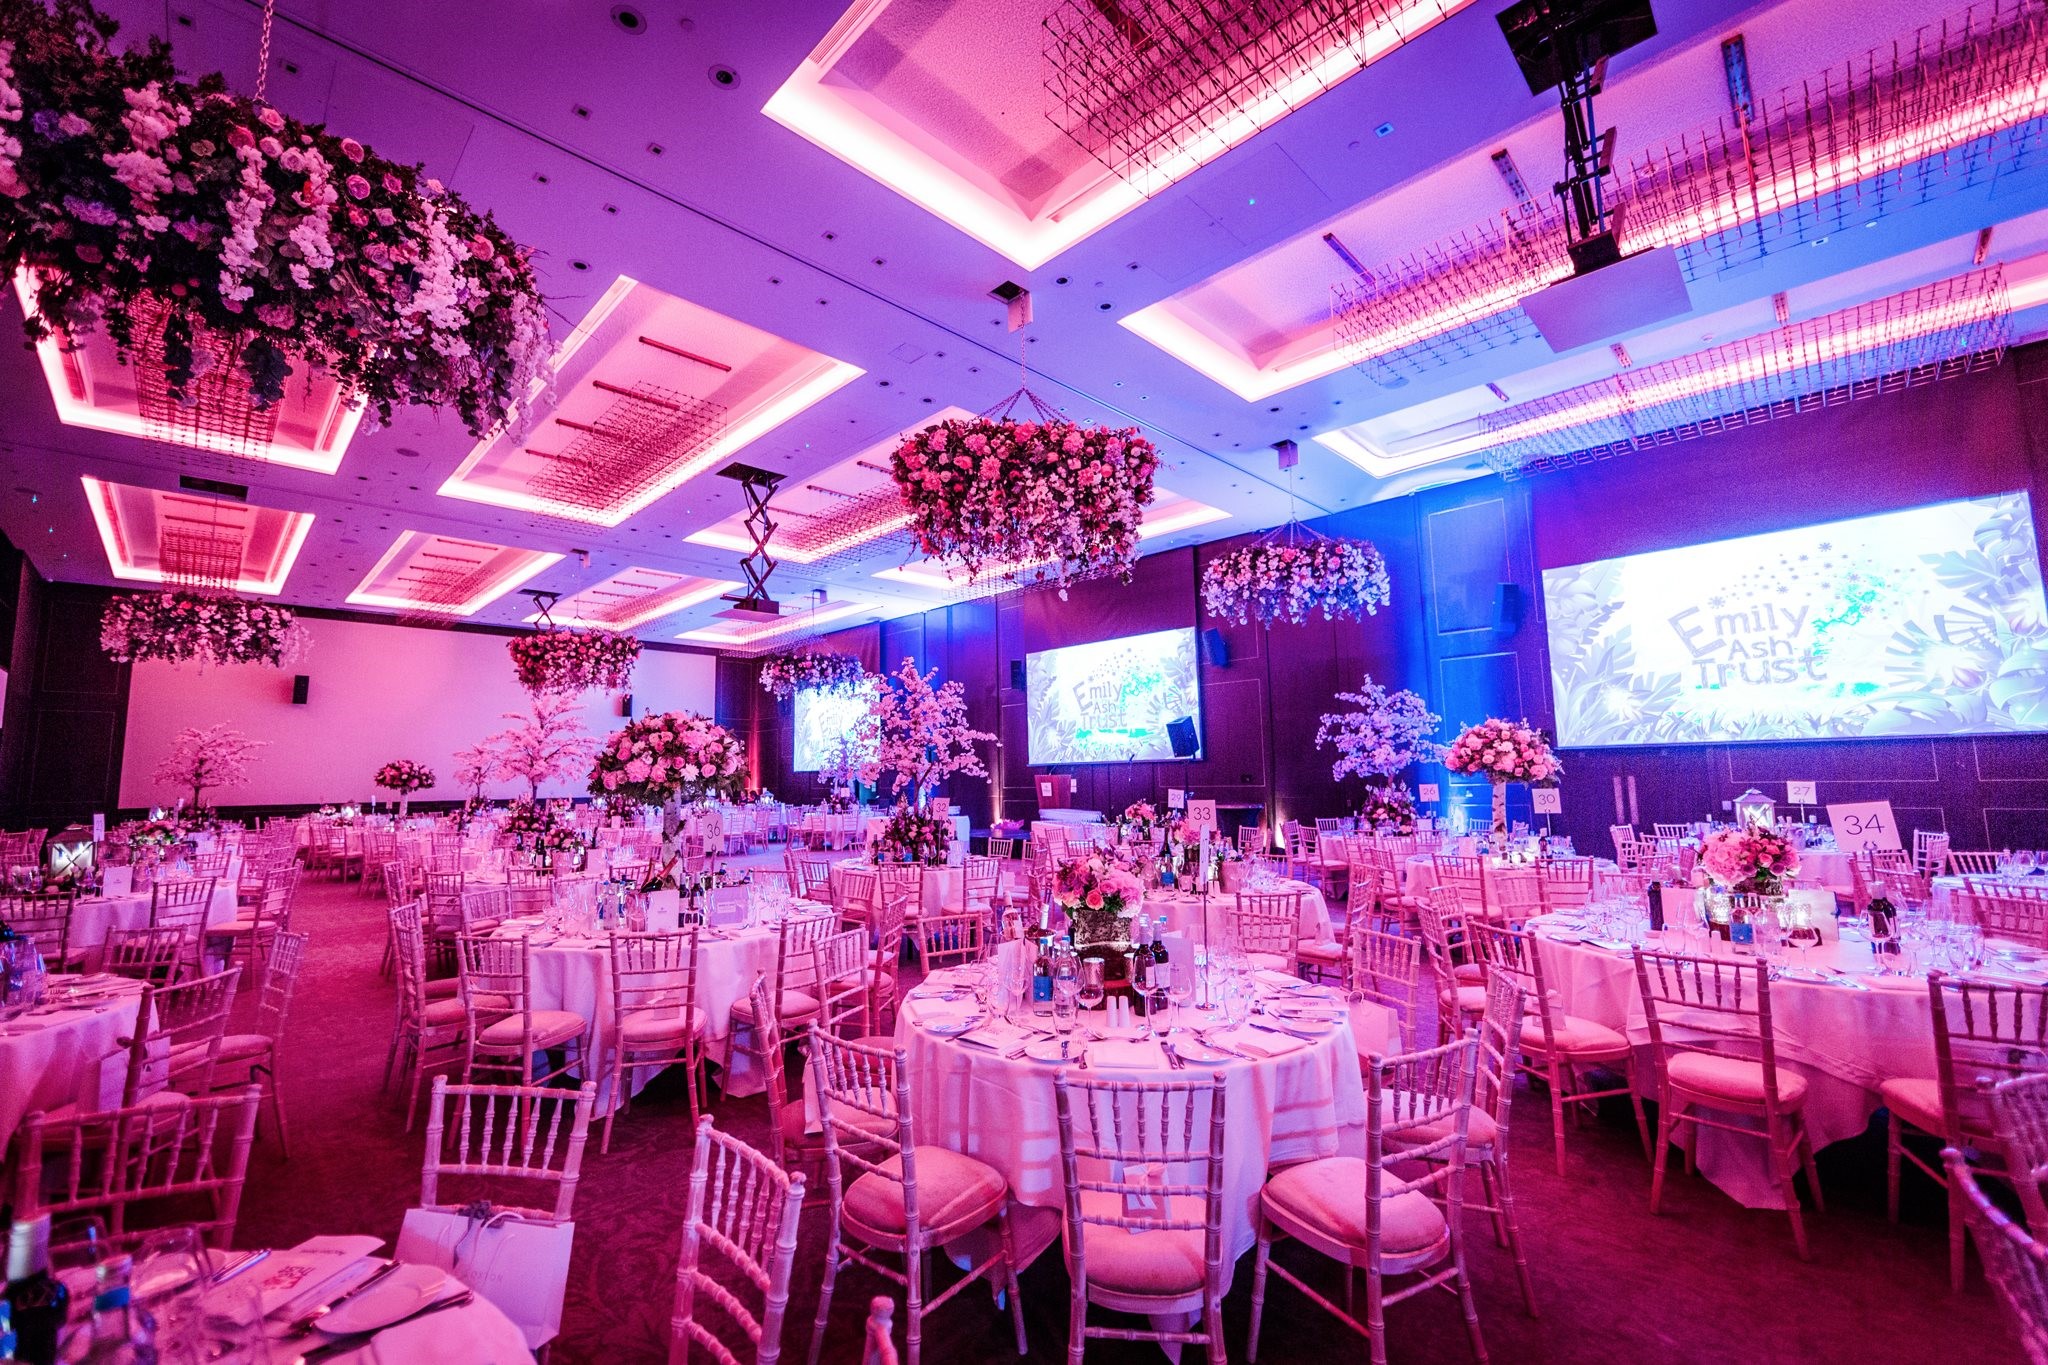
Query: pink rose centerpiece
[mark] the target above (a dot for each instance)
(785, 675)
(180, 626)
(1046, 499)
(197, 224)
(1390, 807)
(569, 661)
(1138, 821)
(1288, 580)
(913, 834)
(404, 776)
(1100, 894)
(1750, 859)
(1503, 751)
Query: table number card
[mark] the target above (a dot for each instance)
(1801, 794)
(1202, 814)
(99, 827)
(1546, 800)
(1176, 798)
(1427, 791)
(1863, 826)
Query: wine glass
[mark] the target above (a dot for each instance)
(1180, 989)
(1155, 1005)
(1090, 992)
(1237, 1000)
(1804, 935)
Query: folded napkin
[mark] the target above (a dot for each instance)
(291, 1283)
(1279, 981)
(1126, 1052)
(999, 1034)
(1259, 1043)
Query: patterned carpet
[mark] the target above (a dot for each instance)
(1706, 1281)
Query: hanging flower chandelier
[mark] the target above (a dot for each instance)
(785, 675)
(1043, 498)
(558, 660)
(180, 627)
(133, 195)
(1290, 578)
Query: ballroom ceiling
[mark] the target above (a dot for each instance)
(805, 206)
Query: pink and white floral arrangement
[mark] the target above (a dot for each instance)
(1288, 580)
(1390, 806)
(1100, 893)
(130, 193)
(1138, 821)
(216, 756)
(526, 819)
(785, 675)
(1388, 732)
(913, 834)
(919, 733)
(180, 627)
(674, 754)
(1048, 499)
(556, 660)
(1749, 858)
(1503, 751)
(404, 775)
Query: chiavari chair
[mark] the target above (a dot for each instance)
(739, 1238)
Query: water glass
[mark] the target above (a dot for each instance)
(1090, 992)
(1237, 1000)
(1066, 993)
(196, 1320)
(1180, 989)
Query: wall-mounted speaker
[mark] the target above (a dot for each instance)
(302, 687)
(1215, 648)
(626, 705)
(1181, 735)
(1017, 674)
(1507, 606)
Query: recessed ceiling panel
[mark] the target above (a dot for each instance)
(629, 600)
(432, 575)
(184, 540)
(650, 392)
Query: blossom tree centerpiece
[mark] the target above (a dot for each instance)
(572, 661)
(141, 201)
(474, 766)
(919, 733)
(547, 744)
(1503, 751)
(1387, 733)
(1100, 894)
(215, 756)
(404, 776)
(1044, 499)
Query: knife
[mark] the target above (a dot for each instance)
(305, 1324)
(356, 1341)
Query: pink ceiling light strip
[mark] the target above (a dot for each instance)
(1945, 110)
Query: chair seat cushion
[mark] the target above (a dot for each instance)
(881, 981)
(244, 1047)
(650, 1026)
(1480, 1130)
(1156, 1262)
(796, 1007)
(1269, 962)
(1470, 999)
(1732, 1078)
(549, 1027)
(1572, 1036)
(1327, 1197)
(1469, 973)
(953, 1191)
(1311, 951)
(443, 1012)
(1916, 1101)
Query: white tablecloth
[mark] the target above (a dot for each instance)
(94, 917)
(54, 1059)
(944, 888)
(575, 974)
(1184, 913)
(1843, 1040)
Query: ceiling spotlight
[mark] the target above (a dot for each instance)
(724, 77)
(629, 20)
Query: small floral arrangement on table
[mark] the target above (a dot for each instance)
(836, 803)
(1390, 807)
(180, 627)
(559, 844)
(153, 834)
(673, 754)
(557, 660)
(174, 214)
(1100, 893)
(1138, 820)
(1286, 580)
(785, 675)
(404, 775)
(527, 820)
(913, 834)
(1749, 859)
(1046, 499)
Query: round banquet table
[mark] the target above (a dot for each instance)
(1844, 1035)
(95, 916)
(944, 888)
(575, 974)
(1184, 913)
(1306, 1102)
(68, 1051)
(1418, 876)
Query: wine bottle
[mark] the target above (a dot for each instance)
(36, 1299)
(1141, 967)
(1162, 970)
(1656, 907)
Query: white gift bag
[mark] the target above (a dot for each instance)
(116, 881)
(521, 1266)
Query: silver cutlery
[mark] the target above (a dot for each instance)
(305, 1324)
(357, 1340)
(1208, 1040)
(234, 1268)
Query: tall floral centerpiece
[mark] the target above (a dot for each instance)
(1503, 751)
(474, 766)
(1288, 579)
(571, 661)
(200, 759)
(547, 744)
(919, 733)
(785, 675)
(140, 202)
(1138, 821)
(179, 627)
(1384, 734)
(1045, 499)
(668, 760)
(404, 776)
(1100, 895)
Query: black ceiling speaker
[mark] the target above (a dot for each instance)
(302, 687)
(626, 705)
(1216, 648)
(1181, 735)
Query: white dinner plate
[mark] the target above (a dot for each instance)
(1200, 1054)
(1048, 1050)
(949, 1027)
(400, 1294)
